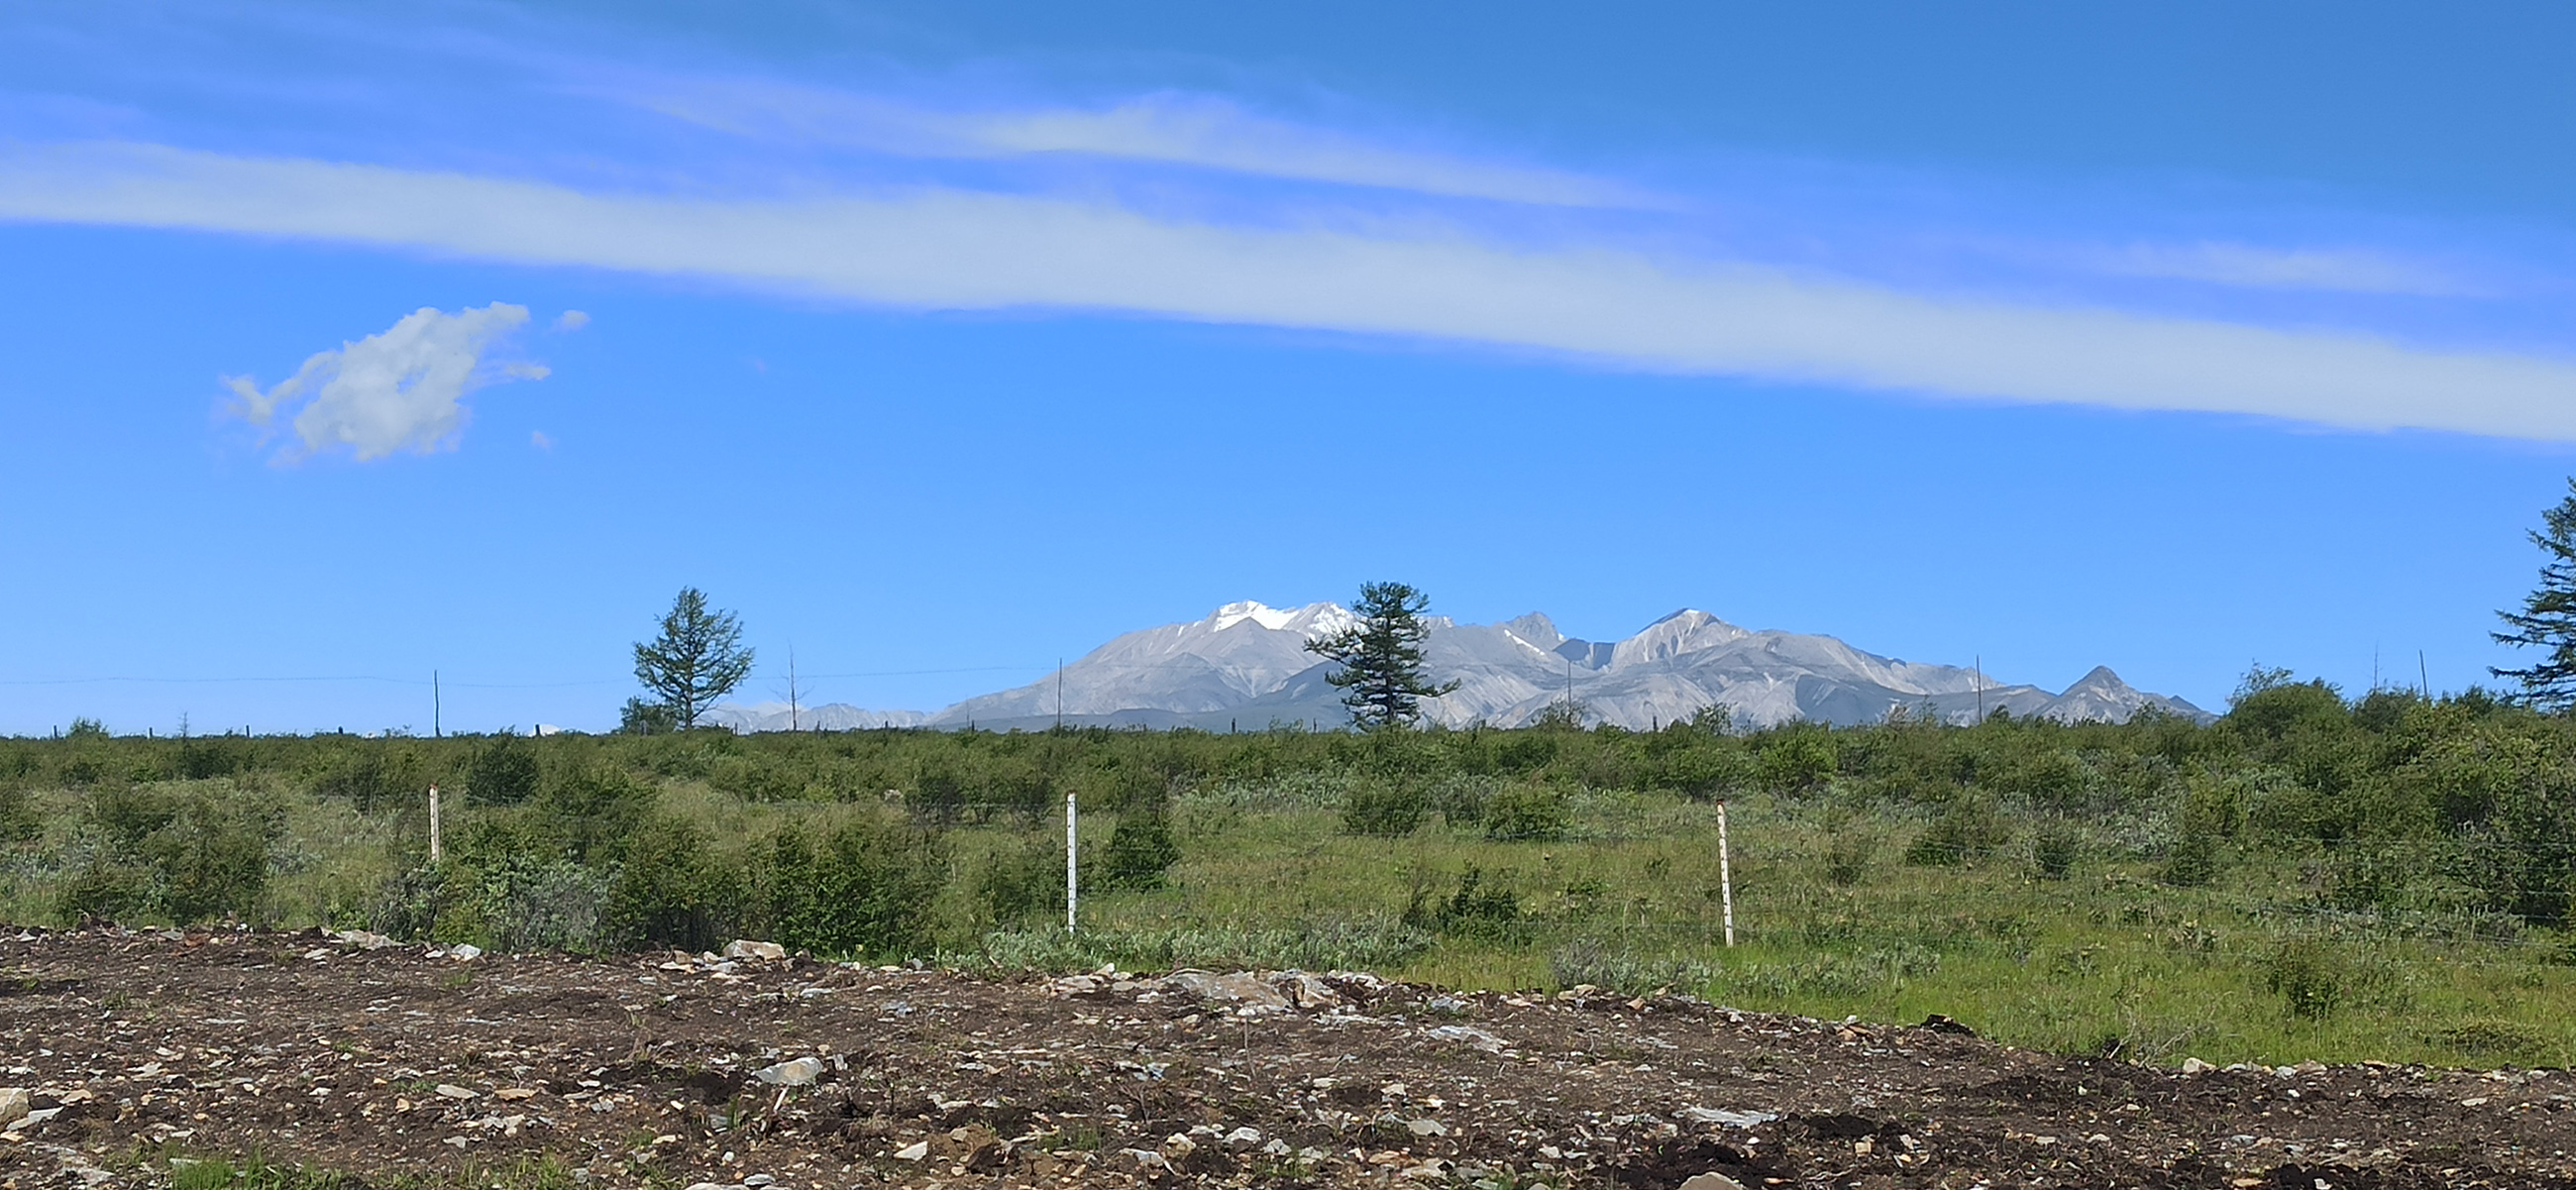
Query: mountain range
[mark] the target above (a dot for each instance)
(1245, 667)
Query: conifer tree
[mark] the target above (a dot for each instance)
(2548, 616)
(1381, 657)
(698, 659)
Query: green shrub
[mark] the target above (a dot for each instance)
(1968, 830)
(2053, 851)
(1141, 850)
(373, 775)
(1847, 855)
(1383, 807)
(863, 889)
(504, 772)
(1526, 811)
(590, 812)
(669, 889)
(1473, 910)
(1023, 881)
(2192, 861)
(188, 855)
(19, 821)
(2307, 976)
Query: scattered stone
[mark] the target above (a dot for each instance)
(799, 1073)
(913, 1152)
(2196, 1066)
(1306, 991)
(1732, 1119)
(452, 1091)
(1426, 1127)
(515, 1093)
(1466, 1035)
(1940, 1023)
(362, 939)
(743, 948)
(1711, 1180)
(465, 952)
(1245, 1137)
(1240, 987)
(14, 1105)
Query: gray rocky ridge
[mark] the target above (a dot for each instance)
(1245, 667)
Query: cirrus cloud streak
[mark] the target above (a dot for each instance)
(953, 249)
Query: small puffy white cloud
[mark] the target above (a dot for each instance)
(538, 439)
(571, 320)
(402, 389)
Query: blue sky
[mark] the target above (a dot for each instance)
(347, 344)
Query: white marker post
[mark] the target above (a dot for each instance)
(1072, 865)
(1725, 876)
(433, 824)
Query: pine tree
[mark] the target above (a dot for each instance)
(2548, 616)
(1381, 657)
(698, 659)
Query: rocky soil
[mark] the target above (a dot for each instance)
(402, 1064)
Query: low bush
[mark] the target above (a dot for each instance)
(1472, 910)
(1384, 807)
(1525, 811)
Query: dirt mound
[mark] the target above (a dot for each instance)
(394, 1062)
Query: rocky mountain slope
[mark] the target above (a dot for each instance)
(1245, 667)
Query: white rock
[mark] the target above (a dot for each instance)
(1240, 987)
(743, 948)
(1466, 1035)
(1732, 1119)
(13, 1105)
(1425, 1127)
(1711, 1181)
(913, 1152)
(2196, 1066)
(465, 952)
(1244, 1138)
(799, 1073)
(362, 939)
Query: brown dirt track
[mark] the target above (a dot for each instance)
(639, 1071)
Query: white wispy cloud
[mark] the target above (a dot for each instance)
(401, 389)
(1199, 131)
(2348, 270)
(945, 248)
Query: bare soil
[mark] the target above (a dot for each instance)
(398, 1065)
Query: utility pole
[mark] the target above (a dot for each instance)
(437, 726)
(1059, 707)
(433, 825)
(1980, 663)
(792, 724)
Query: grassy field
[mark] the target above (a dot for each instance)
(2347, 882)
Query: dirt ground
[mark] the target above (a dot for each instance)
(398, 1062)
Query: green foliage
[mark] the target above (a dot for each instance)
(1526, 811)
(1022, 881)
(1385, 807)
(865, 887)
(1473, 909)
(697, 659)
(1795, 759)
(1141, 850)
(2053, 851)
(2547, 620)
(2309, 978)
(188, 854)
(1969, 829)
(592, 812)
(1381, 657)
(638, 717)
(504, 772)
